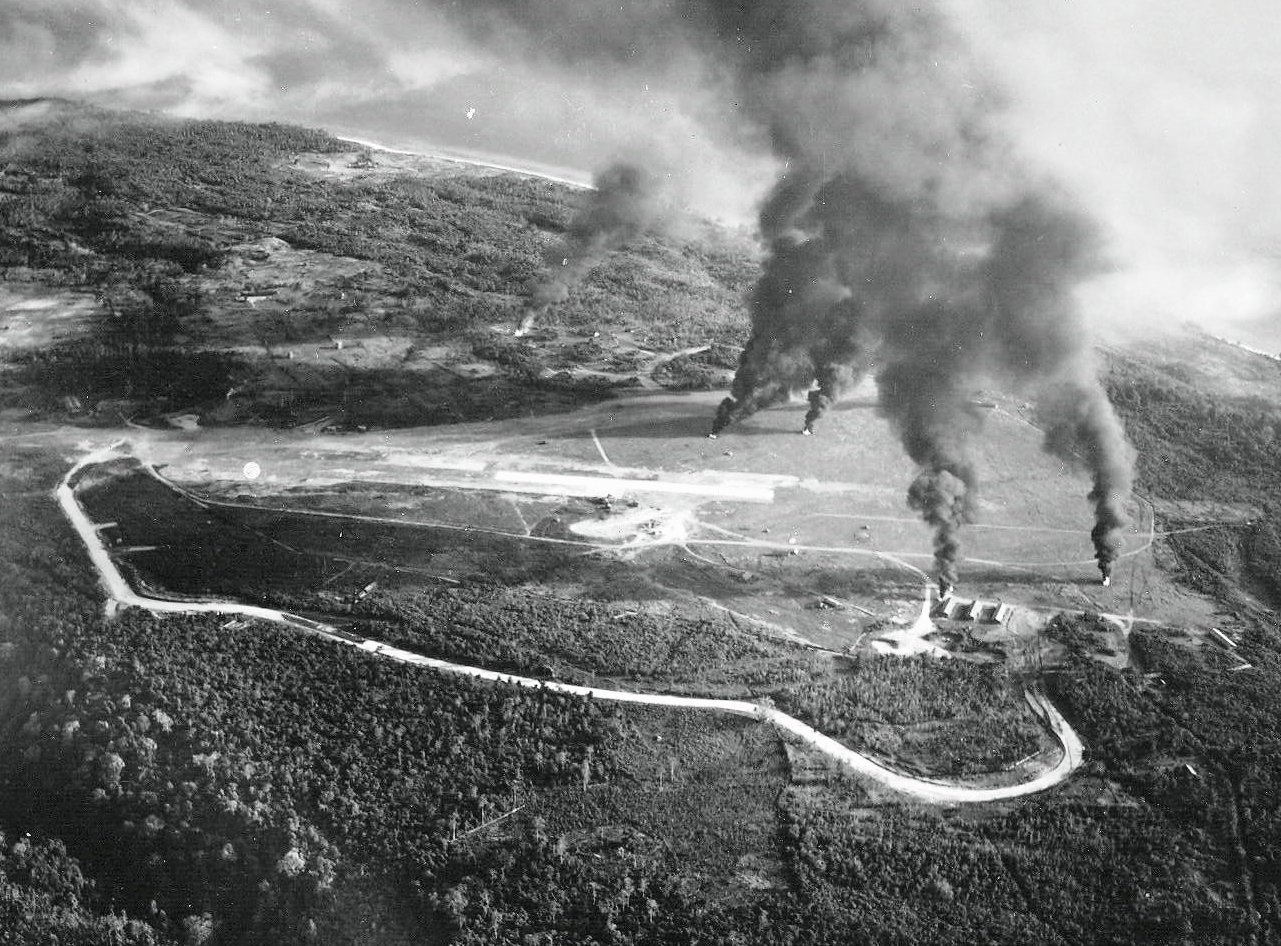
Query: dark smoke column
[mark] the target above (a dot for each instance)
(1084, 429)
(924, 390)
(1042, 250)
(797, 288)
(624, 204)
(903, 230)
(840, 360)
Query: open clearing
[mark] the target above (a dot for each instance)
(804, 538)
(35, 317)
(761, 521)
(122, 594)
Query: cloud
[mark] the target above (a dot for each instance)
(168, 52)
(1163, 117)
(409, 74)
(193, 58)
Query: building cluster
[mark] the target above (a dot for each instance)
(965, 609)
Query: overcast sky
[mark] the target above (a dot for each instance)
(1162, 115)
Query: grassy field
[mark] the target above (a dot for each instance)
(837, 502)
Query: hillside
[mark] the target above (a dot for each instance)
(288, 364)
(271, 275)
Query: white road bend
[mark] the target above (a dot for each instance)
(930, 790)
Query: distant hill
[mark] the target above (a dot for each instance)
(315, 277)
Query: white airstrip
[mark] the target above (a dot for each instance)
(120, 593)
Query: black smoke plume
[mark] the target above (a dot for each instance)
(626, 201)
(905, 232)
(1043, 250)
(924, 386)
(1083, 428)
(783, 360)
(833, 378)
(902, 230)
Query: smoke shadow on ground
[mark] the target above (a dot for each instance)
(987, 575)
(696, 421)
(94, 371)
(231, 390)
(396, 397)
(693, 421)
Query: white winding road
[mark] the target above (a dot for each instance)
(929, 790)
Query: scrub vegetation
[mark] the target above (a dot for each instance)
(196, 780)
(223, 261)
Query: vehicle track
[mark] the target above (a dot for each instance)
(935, 791)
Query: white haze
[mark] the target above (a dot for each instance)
(1161, 115)
(1164, 118)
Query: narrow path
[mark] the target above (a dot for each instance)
(646, 374)
(929, 790)
(601, 449)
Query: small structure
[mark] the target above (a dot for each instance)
(950, 608)
(987, 612)
(967, 609)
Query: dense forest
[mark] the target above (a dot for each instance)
(1182, 428)
(192, 780)
(576, 639)
(961, 717)
(229, 802)
(211, 772)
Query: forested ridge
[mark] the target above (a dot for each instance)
(1198, 441)
(1184, 429)
(77, 195)
(963, 718)
(192, 780)
(259, 786)
(160, 221)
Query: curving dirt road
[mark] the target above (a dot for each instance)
(120, 592)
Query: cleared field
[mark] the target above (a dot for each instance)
(629, 499)
(97, 474)
(33, 317)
